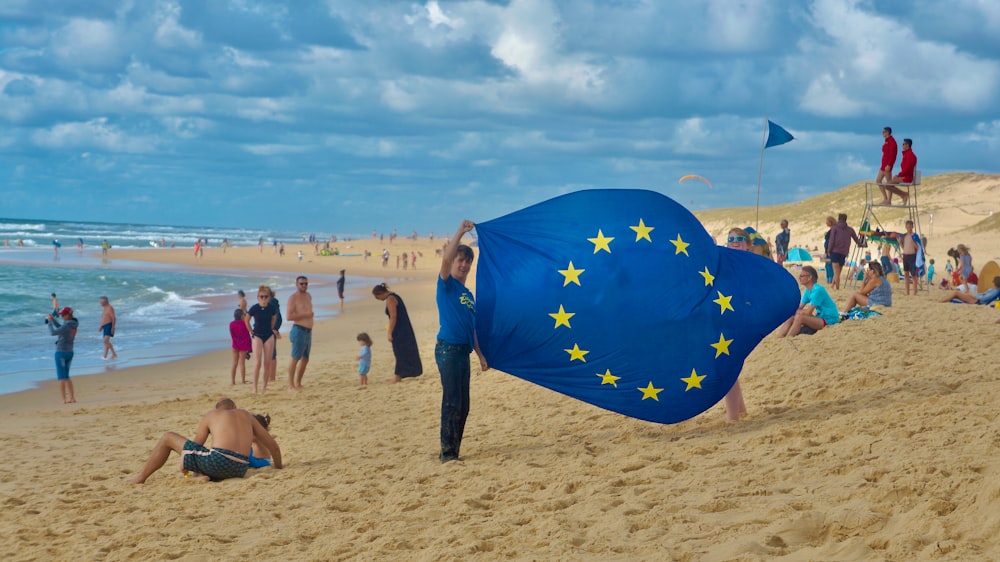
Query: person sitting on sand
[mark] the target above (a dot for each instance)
(233, 432)
(260, 455)
(874, 292)
(986, 297)
(816, 311)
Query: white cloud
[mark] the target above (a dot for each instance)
(170, 33)
(986, 132)
(691, 137)
(93, 135)
(89, 44)
(529, 42)
(274, 149)
(864, 63)
(850, 168)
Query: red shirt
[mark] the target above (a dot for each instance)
(907, 167)
(889, 154)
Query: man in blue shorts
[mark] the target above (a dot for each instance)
(233, 432)
(300, 311)
(108, 323)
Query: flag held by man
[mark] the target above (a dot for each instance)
(621, 299)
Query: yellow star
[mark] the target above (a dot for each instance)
(562, 317)
(694, 381)
(572, 275)
(682, 246)
(601, 242)
(723, 303)
(642, 231)
(722, 346)
(576, 353)
(650, 392)
(608, 378)
(709, 278)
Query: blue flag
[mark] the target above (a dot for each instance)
(621, 299)
(776, 135)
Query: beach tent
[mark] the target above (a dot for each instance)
(799, 254)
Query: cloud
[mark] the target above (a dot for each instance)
(93, 135)
(859, 67)
(87, 44)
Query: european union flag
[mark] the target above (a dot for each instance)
(621, 299)
(776, 135)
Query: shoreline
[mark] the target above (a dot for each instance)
(114, 384)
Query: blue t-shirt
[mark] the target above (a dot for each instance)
(825, 307)
(365, 363)
(988, 296)
(456, 312)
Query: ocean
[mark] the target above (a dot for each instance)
(165, 312)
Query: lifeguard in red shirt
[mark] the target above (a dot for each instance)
(905, 174)
(889, 150)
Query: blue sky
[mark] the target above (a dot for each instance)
(349, 115)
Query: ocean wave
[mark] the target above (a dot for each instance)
(5, 226)
(168, 305)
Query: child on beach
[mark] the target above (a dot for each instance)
(260, 455)
(364, 358)
(241, 346)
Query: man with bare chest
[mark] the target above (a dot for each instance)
(108, 322)
(300, 311)
(908, 243)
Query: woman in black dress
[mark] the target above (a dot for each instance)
(404, 342)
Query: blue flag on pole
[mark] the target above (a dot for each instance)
(619, 298)
(776, 135)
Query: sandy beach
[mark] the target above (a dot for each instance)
(871, 440)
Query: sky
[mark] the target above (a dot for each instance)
(345, 116)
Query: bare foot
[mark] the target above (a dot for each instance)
(905, 199)
(72, 401)
(885, 202)
(135, 480)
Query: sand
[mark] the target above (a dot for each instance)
(871, 440)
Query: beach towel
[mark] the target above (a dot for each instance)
(861, 313)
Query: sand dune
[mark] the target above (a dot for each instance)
(871, 440)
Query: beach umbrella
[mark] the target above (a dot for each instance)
(799, 254)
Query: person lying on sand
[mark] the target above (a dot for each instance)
(986, 297)
(233, 431)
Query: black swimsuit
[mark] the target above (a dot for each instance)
(262, 321)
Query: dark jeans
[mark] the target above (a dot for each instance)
(453, 364)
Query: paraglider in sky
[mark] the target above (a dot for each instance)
(694, 177)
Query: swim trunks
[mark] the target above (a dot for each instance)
(217, 464)
(301, 342)
(106, 329)
(910, 263)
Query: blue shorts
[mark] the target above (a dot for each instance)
(106, 330)
(301, 342)
(363, 367)
(838, 259)
(63, 359)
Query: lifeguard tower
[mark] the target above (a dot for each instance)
(871, 229)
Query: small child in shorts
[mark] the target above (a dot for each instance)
(364, 358)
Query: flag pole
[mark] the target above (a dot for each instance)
(760, 171)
